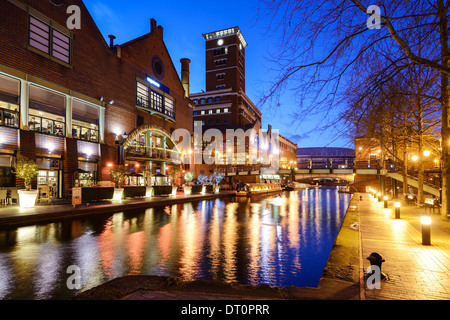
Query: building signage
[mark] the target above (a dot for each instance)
(157, 84)
(76, 196)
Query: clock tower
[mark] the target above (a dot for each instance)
(225, 60)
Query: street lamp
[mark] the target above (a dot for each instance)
(426, 229)
(385, 198)
(397, 210)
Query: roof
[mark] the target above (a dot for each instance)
(326, 152)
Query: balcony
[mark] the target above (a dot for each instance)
(47, 126)
(143, 104)
(85, 134)
(9, 118)
(149, 153)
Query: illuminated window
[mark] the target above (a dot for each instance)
(47, 39)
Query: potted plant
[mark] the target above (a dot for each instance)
(217, 178)
(27, 170)
(118, 174)
(203, 179)
(188, 177)
(149, 188)
(173, 173)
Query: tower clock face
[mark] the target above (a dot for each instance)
(220, 42)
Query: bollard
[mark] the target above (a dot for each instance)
(426, 230)
(376, 260)
(397, 210)
(385, 198)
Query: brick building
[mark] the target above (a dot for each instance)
(73, 102)
(224, 105)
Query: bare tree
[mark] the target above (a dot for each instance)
(323, 40)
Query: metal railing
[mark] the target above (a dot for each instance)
(47, 126)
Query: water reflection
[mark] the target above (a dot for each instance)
(282, 239)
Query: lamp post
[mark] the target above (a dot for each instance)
(385, 198)
(397, 210)
(379, 196)
(426, 230)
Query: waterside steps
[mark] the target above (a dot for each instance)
(414, 183)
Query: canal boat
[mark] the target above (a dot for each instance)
(241, 193)
(296, 186)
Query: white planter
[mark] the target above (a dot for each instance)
(187, 190)
(27, 199)
(118, 193)
(174, 191)
(149, 192)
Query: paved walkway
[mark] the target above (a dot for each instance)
(415, 271)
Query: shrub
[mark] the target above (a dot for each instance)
(26, 169)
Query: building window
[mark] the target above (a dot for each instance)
(218, 99)
(202, 101)
(169, 109)
(85, 121)
(195, 101)
(47, 112)
(225, 110)
(220, 62)
(221, 76)
(49, 40)
(217, 121)
(142, 95)
(210, 100)
(195, 113)
(225, 121)
(220, 51)
(209, 122)
(203, 112)
(210, 112)
(9, 102)
(217, 110)
(221, 87)
(157, 101)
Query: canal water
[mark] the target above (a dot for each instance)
(280, 239)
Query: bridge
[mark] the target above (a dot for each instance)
(342, 174)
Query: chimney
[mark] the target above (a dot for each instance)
(154, 29)
(111, 41)
(152, 25)
(185, 75)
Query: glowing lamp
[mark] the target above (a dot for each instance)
(425, 220)
(397, 210)
(426, 229)
(118, 193)
(27, 199)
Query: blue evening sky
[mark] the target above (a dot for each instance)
(184, 22)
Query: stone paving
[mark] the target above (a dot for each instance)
(415, 271)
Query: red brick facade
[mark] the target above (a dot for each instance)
(97, 73)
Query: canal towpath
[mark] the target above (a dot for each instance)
(414, 271)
